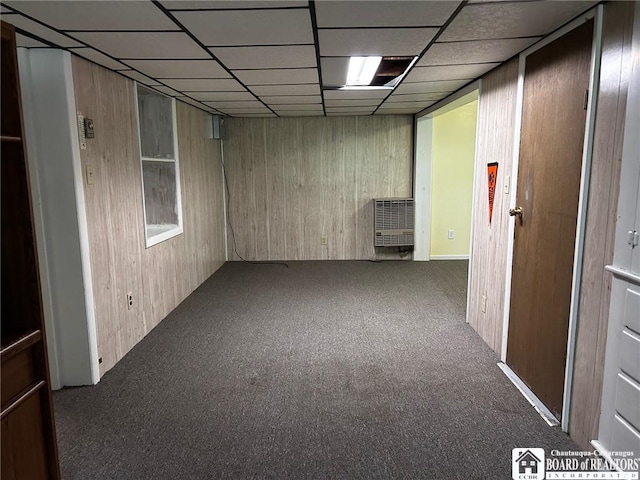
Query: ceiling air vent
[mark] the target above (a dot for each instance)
(393, 222)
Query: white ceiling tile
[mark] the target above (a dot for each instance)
(302, 113)
(305, 107)
(231, 4)
(28, 42)
(429, 87)
(222, 105)
(277, 76)
(406, 105)
(234, 111)
(303, 89)
(448, 72)
(97, 15)
(422, 87)
(204, 84)
(255, 27)
(401, 111)
(353, 94)
(363, 102)
(374, 41)
(39, 30)
(383, 14)
(138, 77)
(334, 71)
(144, 44)
(206, 68)
(509, 20)
(415, 97)
(99, 58)
(222, 96)
(291, 99)
(347, 114)
(267, 57)
(192, 102)
(368, 109)
(254, 115)
(480, 51)
(166, 90)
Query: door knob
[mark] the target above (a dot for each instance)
(516, 212)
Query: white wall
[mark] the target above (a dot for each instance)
(61, 228)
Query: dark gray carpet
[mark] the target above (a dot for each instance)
(326, 370)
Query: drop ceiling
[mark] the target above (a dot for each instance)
(288, 58)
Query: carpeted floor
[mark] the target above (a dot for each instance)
(325, 370)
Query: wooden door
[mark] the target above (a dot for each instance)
(551, 145)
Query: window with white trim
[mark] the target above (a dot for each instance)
(159, 165)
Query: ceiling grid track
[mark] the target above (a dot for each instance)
(433, 40)
(209, 52)
(314, 27)
(86, 45)
(282, 58)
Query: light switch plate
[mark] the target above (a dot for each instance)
(91, 174)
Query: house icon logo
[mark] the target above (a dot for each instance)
(527, 463)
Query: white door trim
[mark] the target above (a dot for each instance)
(422, 168)
(585, 177)
(422, 178)
(422, 188)
(596, 14)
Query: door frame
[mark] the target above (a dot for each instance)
(596, 14)
(422, 175)
(422, 166)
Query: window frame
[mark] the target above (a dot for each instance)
(179, 229)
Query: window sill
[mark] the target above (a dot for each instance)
(159, 233)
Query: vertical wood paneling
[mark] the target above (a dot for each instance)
(293, 180)
(496, 128)
(159, 277)
(600, 227)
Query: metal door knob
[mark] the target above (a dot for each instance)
(516, 212)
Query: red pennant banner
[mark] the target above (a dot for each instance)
(492, 171)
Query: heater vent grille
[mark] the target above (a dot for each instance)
(393, 222)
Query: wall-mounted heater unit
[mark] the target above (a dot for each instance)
(393, 222)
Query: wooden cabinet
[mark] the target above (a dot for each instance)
(28, 440)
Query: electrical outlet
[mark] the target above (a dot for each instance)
(323, 240)
(483, 304)
(129, 301)
(451, 235)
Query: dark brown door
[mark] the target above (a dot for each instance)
(551, 145)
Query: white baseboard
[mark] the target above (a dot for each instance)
(449, 257)
(605, 453)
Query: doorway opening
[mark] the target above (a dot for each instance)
(444, 178)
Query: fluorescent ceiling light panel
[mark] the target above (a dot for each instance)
(365, 87)
(362, 70)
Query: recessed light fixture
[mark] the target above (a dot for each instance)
(362, 70)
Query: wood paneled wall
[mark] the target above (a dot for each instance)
(496, 123)
(601, 219)
(495, 132)
(293, 180)
(161, 276)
